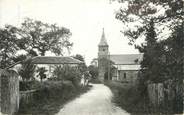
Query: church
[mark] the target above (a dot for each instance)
(120, 67)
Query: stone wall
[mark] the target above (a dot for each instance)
(130, 77)
(9, 91)
(103, 65)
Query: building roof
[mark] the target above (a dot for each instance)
(103, 41)
(126, 59)
(55, 60)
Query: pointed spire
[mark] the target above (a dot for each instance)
(103, 41)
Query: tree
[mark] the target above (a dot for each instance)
(27, 70)
(140, 12)
(144, 12)
(44, 37)
(93, 70)
(79, 57)
(67, 72)
(175, 63)
(153, 65)
(41, 73)
(174, 47)
(35, 37)
(163, 58)
(82, 66)
(8, 45)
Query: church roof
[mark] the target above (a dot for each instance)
(126, 59)
(55, 60)
(103, 41)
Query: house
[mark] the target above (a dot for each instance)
(50, 63)
(125, 69)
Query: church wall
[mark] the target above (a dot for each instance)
(127, 76)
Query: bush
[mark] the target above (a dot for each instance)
(29, 85)
(95, 81)
(27, 70)
(68, 73)
(129, 98)
(51, 96)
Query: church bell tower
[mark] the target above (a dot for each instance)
(103, 55)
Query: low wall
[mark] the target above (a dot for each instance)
(27, 96)
(9, 92)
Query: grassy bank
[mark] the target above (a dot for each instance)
(129, 98)
(51, 98)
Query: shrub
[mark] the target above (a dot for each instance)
(51, 96)
(41, 72)
(67, 72)
(29, 85)
(129, 97)
(27, 70)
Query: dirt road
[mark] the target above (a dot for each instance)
(95, 102)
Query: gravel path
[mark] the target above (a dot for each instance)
(97, 101)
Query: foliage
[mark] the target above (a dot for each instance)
(174, 47)
(8, 45)
(27, 70)
(50, 97)
(33, 36)
(20, 58)
(59, 72)
(153, 64)
(93, 70)
(163, 54)
(41, 72)
(129, 98)
(44, 37)
(157, 56)
(79, 57)
(166, 13)
(67, 72)
(29, 85)
(82, 67)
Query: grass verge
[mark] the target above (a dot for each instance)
(51, 98)
(128, 98)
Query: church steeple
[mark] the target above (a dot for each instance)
(103, 41)
(103, 47)
(103, 55)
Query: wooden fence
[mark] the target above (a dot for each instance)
(167, 96)
(27, 96)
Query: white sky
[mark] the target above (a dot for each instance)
(85, 19)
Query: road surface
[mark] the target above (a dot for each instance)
(97, 101)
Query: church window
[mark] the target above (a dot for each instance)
(124, 75)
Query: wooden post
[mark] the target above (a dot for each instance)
(9, 92)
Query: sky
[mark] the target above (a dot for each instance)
(85, 19)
